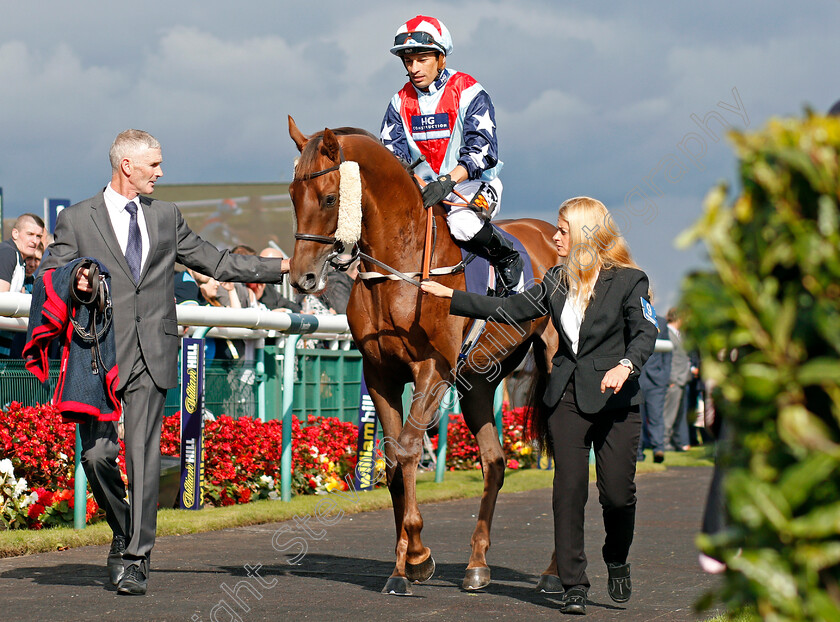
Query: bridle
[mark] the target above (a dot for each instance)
(338, 246)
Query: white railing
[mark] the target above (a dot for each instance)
(226, 322)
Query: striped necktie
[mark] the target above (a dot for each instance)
(134, 248)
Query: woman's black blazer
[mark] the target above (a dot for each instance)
(619, 323)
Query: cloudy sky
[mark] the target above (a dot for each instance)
(605, 99)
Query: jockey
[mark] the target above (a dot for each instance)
(447, 116)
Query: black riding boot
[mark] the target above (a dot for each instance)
(492, 246)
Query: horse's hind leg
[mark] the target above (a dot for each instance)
(477, 407)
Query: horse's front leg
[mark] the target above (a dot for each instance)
(386, 394)
(429, 387)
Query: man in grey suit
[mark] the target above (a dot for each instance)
(139, 240)
(675, 437)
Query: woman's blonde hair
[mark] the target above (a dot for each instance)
(595, 243)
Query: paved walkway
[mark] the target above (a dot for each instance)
(343, 566)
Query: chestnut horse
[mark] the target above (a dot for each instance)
(403, 335)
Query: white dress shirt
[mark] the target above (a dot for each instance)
(120, 218)
(572, 317)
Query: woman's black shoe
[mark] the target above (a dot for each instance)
(574, 601)
(618, 585)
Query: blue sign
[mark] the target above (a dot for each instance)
(190, 496)
(366, 447)
(429, 122)
(54, 207)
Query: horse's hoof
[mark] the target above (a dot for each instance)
(422, 571)
(399, 586)
(476, 578)
(550, 584)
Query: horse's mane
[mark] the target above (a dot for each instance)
(310, 150)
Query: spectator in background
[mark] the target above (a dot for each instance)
(694, 392)
(192, 287)
(653, 381)
(27, 235)
(19, 338)
(31, 268)
(271, 296)
(676, 429)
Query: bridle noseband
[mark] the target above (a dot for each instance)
(338, 247)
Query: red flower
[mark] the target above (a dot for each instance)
(35, 510)
(45, 497)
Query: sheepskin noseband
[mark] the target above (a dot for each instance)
(349, 204)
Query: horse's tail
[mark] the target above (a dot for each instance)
(537, 413)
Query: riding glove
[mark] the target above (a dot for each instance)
(436, 191)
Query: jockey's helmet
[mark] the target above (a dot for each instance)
(422, 34)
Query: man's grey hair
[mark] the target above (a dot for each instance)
(128, 143)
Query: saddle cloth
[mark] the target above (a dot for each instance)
(478, 271)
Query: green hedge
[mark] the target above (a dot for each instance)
(766, 320)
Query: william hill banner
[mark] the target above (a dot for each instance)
(192, 424)
(366, 442)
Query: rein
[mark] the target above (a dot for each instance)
(98, 302)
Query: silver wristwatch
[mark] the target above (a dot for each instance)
(626, 363)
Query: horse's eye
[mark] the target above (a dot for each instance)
(329, 200)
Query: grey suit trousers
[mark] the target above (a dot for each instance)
(673, 414)
(143, 404)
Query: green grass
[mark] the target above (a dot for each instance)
(736, 617)
(456, 485)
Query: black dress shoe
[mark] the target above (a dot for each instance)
(574, 601)
(115, 561)
(133, 582)
(659, 456)
(618, 584)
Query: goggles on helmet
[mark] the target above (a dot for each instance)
(420, 38)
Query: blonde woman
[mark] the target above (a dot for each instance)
(598, 300)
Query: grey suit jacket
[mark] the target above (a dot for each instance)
(614, 327)
(680, 363)
(144, 311)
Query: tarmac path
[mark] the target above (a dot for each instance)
(344, 561)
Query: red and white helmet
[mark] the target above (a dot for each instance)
(422, 34)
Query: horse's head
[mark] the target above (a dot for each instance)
(327, 197)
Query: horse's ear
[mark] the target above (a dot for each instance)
(330, 146)
(296, 134)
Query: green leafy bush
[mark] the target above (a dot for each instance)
(766, 320)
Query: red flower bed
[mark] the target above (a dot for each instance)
(39, 444)
(462, 448)
(242, 459)
(241, 455)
